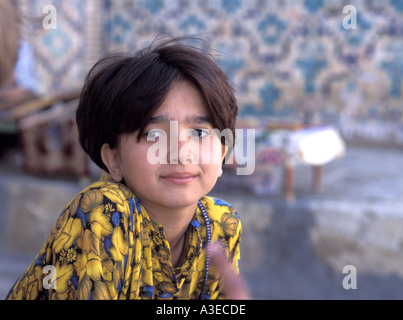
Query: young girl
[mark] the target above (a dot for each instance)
(145, 231)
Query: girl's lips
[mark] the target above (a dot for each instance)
(180, 178)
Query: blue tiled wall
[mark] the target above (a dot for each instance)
(287, 59)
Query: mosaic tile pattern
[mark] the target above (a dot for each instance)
(62, 55)
(288, 59)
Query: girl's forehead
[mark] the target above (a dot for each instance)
(185, 118)
(182, 103)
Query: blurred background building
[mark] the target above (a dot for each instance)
(288, 59)
(322, 87)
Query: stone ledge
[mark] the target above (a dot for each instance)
(298, 251)
(31, 207)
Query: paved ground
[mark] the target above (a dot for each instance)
(298, 251)
(357, 220)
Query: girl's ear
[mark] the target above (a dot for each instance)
(110, 158)
(224, 150)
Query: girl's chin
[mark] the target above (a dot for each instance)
(180, 201)
(178, 198)
(175, 196)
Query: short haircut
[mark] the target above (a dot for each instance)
(122, 92)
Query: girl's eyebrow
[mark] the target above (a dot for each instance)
(191, 119)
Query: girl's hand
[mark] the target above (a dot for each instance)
(234, 287)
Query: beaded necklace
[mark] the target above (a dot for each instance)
(203, 295)
(208, 232)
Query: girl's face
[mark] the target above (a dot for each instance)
(168, 169)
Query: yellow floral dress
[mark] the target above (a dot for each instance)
(105, 246)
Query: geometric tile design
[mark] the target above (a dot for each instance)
(278, 54)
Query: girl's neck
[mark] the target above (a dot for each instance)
(175, 221)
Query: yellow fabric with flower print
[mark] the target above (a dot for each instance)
(105, 246)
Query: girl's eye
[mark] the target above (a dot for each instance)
(154, 134)
(201, 133)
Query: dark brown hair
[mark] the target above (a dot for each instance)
(122, 92)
